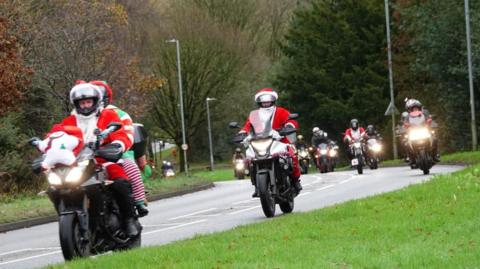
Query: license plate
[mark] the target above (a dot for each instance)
(355, 161)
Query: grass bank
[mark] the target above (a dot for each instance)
(431, 225)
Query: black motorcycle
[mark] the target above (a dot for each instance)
(303, 159)
(271, 165)
(420, 143)
(90, 221)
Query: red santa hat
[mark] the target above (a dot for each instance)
(266, 95)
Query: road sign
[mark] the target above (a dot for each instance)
(184, 146)
(391, 109)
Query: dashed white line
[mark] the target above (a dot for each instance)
(27, 249)
(243, 210)
(174, 227)
(31, 257)
(194, 213)
(325, 187)
(345, 181)
(303, 194)
(244, 201)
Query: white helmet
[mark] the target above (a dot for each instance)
(315, 130)
(84, 91)
(266, 95)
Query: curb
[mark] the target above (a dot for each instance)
(43, 220)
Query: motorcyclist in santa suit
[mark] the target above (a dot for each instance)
(265, 99)
(88, 114)
(355, 132)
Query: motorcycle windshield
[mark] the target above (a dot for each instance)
(416, 119)
(261, 123)
(323, 146)
(85, 154)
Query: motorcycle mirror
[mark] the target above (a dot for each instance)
(233, 125)
(286, 131)
(293, 116)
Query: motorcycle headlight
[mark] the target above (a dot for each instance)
(376, 148)
(261, 145)
(75, 174)
(54, 179)
(323, 151)
(239, 166)
(419, 134)
(333, 153)
(303, 154)
(357, 144)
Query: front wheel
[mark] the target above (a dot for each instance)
(360, 164)
(266, 197)
(71, 241)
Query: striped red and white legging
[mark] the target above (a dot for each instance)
(133, 173)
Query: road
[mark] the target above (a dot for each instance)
(221, 208)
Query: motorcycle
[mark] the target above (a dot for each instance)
(240, 169)
(271, 164)
(420, 142)
(167, 169)
(357, 150)
(303, 160)
(323, 158)
(374, 149)
(90, 221)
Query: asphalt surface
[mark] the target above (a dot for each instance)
(226, 206)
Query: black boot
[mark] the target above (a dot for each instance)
(123, 194)
(255, 193)
(298, 186)
(142, 210)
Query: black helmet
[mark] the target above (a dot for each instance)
(370, 129)
(354, 124)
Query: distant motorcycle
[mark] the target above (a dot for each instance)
(303, 160)
(241, 169)
(271, 165)
(420, 142)
(374, 148)
(167, 169)
(357, 151)
(325, 162)
(90, 221)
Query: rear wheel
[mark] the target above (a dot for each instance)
(266, 197)
(71, 242)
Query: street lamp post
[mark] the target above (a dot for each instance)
(184, 140)
(470, 77)
(390, 77)
(210, 132)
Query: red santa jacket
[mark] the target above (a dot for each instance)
(348, 133)
(280, 120)
(106, 117)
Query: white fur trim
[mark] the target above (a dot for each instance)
(260, 93)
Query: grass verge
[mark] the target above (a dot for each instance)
(431, 225)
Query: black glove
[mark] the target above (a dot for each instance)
(33, 141)
(111, 152)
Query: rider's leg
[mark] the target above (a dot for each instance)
(296, 170)
(138, 189)
(123, 194)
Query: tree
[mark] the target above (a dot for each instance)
(334, 64)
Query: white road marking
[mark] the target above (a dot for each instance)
(31, 257)
(345, 181)
(317, 180)
(324, 188)
(303, 194)
(244, 201)
(27, 249)
(174, 227)
(243, 210)
(194, 213)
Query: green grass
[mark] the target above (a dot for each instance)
(24, 207)
(466, 157)
(431, 225)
